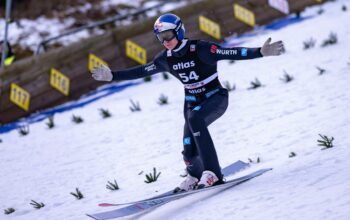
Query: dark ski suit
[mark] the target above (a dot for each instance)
(194, 63)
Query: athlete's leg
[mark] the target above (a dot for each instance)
(198, 120)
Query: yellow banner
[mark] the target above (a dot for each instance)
(95, 61)
(210, 27)
(244, 14)
(59, 81)
(20, 97)
(135, 52)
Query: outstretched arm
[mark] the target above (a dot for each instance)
(136, 72)
(211, 52)
(104, 73)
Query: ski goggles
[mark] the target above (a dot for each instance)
(166, 35)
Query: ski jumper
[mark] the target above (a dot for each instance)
(194, 63)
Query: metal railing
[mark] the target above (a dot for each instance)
(43, 43)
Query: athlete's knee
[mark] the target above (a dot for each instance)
(195, 120)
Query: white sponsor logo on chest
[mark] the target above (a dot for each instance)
(181, 66)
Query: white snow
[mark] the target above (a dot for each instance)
(269, 123)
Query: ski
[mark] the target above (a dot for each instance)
(229, 170)
(178, 195)
(154, 203)
(137, 208)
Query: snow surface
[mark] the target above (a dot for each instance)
(269, 123)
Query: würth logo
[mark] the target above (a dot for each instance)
(226, 51)
(213, 48)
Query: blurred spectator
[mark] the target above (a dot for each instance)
(10, 57)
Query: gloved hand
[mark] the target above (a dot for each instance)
(273, 49)
(102, 73)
